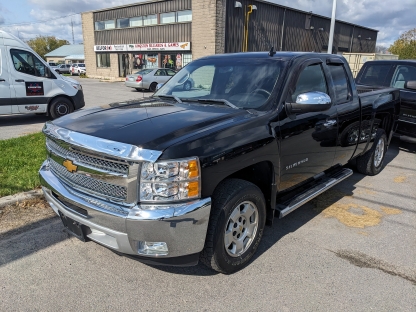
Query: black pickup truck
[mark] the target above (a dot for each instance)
(397, 74)
(189, 175)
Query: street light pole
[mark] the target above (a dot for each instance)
(331, 31)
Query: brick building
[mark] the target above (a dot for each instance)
(171, 33)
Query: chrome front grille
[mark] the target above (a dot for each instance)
(83, 159)
(89, 185)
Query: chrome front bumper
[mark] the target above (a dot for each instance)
(182, 227)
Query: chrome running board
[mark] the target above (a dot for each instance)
(325, 184)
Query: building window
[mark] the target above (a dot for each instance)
(103, 60)
(109, 24)
(184, 16)
(123, 23)
(150, 20)
(136, 21)
(176, 17)
(101, 25)
(169, 17)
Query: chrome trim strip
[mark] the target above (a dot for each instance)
(87, 142)
(407, 121)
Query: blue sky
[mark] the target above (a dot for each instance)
(391, 20)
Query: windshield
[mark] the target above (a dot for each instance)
(243, 82)
(81, 65)
(143, 71)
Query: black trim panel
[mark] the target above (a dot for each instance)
(78, 99)
(5, 101)
(31, 100)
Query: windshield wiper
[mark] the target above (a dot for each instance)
(221, 101)
(170, 97)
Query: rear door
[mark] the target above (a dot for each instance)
(5, 92)
(348, 109)
(402, 74)
(29, 79)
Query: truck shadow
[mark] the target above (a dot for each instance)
(22, 120)
(295, 220)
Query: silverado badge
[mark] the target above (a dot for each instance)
(69, 165)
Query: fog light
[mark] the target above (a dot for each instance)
(152, 248)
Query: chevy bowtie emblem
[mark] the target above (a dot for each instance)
(69, 165)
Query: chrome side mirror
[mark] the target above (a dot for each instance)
(411, 84)
(310, 102)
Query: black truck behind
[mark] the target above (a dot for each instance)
(190, 175)
(397, 74)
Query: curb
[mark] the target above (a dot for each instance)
(12, 199)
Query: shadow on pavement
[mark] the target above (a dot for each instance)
(22, 119)
(23, 242)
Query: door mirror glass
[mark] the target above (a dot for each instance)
(314, 101)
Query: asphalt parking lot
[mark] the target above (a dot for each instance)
(96, 93)
(351, 249)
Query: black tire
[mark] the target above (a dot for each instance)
(60, 107)
(153, 86)
(371, 162)
(187, 86)
(228, 197)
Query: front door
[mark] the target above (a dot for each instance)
(308, 140)
(29, 79)
(5, 105)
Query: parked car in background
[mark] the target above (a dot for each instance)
(63, 69)
(53, 65)
(149, 78)
(77, 69)
(400, 74)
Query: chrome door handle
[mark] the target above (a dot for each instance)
(1, 80)
(19, 80)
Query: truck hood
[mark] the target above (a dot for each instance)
(149, 123)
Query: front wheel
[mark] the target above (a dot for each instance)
(371, 162)
(60, 107)
(236, 226)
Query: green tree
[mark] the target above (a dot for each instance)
(45, 44)
(405, 46)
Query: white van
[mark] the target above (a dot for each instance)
(29, 85)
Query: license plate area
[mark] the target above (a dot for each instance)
(74, 228)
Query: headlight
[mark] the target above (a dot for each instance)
(172, 180)
(76, 86)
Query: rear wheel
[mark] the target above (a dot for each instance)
(236, 226)
(372, 161)
(153, 86)
(60, 107)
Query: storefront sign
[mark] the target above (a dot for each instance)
(168, 46)
(110, 48)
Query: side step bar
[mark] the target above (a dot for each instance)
(311, 193)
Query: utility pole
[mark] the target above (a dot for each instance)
(331, 31)
(72, 25)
